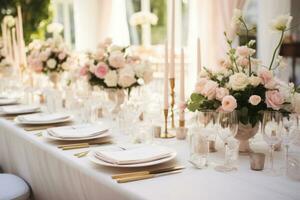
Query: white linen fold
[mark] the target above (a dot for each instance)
(6, 101)
(78, 131)
(138, 155)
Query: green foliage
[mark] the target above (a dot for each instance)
(199, 102)
(35, 14)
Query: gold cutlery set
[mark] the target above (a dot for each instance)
(83, 144)
(142, 175)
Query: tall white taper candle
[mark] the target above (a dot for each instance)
(172, 56)
(181, 92)
(166, 77)
(198, 57)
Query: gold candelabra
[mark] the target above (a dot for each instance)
(166, 133)
(172, 86)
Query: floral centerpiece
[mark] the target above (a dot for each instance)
(114, 69)
(50, 57)
(5, 64)
(242, 83)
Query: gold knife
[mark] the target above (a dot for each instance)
(147, 176)
(156, 171)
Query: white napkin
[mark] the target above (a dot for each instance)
(42, 117)
(19, 109)
(138, 155)
(77, 131)
(7, 101)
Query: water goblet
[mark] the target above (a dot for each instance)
(227, 129)
(271, 130)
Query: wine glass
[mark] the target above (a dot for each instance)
(271, 131)
(288, 134)
(227, 128)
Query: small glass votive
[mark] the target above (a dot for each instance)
(257, 161)
(293, 168)
(157, 131)
(232, 153)
(181, 133)
(198, 148)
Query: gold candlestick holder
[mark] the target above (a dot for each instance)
(182, 123)
(166, 133)
(172, 86)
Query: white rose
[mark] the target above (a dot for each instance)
(281, 23)
(116, 59)
(111, 78)
(92, 67)
(65, 66)
(126, 77)
(51, 63)
(296, 103)
(238, 81)
(254, 80)
(9, 21)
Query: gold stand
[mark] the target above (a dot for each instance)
(172, 86)
(166, 134)
(182, 123)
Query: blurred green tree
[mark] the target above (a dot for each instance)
(36, 15)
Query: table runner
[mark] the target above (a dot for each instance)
(56, 174)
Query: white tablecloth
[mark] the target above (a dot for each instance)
(56, 174)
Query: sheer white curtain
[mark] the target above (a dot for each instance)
(98, 19)
(267, 39)
(208, 21)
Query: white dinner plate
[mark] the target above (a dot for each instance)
(4, 102)
(68, 119)
(25, 110)
(51, 137)
(92, 158)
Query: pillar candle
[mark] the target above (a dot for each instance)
(22, 42)
(4, 38)
(15, 48)
(9, 46)
(181, 92)
(198, 57)
(172, 56)
(166, 78)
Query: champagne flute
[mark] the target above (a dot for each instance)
(227, 128)
(271, 129)
(288, 134)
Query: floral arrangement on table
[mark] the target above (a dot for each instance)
(242, 83)
(50, 56)
(4, 62)
(112, 67)
(142, 17)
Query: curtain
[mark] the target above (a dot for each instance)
(97, 19)
(208, 21)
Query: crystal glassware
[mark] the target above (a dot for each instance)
(227, 129)
(288, 134)
(199, 149)
(271, 131)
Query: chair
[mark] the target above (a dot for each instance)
(13, 188)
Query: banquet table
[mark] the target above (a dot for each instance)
(56, 174)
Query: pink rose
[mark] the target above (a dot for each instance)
(254, 100)
(37, 65)
(242, 61)
(84, 70)
(225, 63)
(61, 56)
(274, 99)
(101, 70)
(244, 51)
(99, 54)
(229, 103)
(221, 92)
(200, 85)
(265, 75)
(209, 89)
(116, 59)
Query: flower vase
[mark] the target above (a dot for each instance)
(244, 133)
(118, 97)
(54, 78)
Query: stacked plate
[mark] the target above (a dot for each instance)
(18, 109)
(43, 118)
(78, 132)
(7, 101)
(141, 156)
